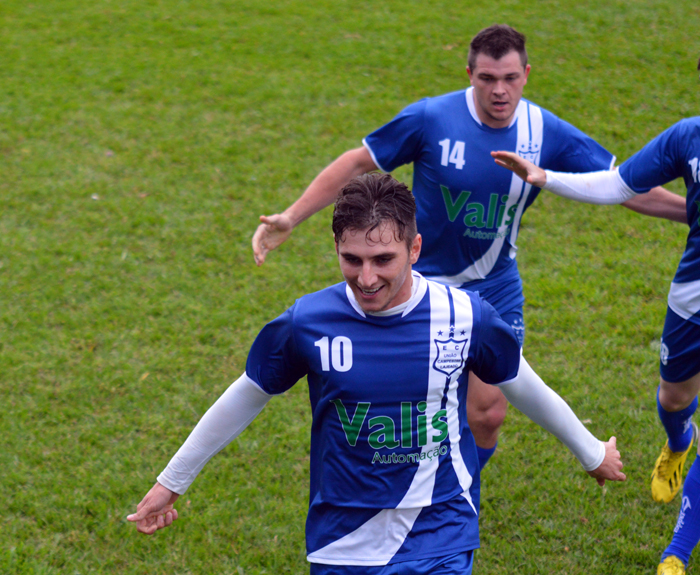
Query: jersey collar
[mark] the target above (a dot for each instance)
(469, 94)
(418, 289)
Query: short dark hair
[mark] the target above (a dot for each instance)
(497, 41)
(371, 200)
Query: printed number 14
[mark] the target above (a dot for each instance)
(457, 155)
(694, 167)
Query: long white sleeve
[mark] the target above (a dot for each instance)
(606, 187)
(238, 406)
(530, 395)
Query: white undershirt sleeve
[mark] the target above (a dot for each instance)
(530, 395)
(606, 187)
(222, 423)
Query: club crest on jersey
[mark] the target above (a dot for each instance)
(530, 151)
(450, 355)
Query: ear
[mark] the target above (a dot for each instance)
(470, 73)
(414, 252)
(527, 73)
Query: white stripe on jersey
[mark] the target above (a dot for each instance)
(463, 321)
(684, 298)
(376, 541)
(528, 145)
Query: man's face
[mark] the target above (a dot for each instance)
(377, 267)
(498, 87)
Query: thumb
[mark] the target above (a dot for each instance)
(138, 516)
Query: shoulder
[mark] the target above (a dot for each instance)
(320, 302)
(684, 130)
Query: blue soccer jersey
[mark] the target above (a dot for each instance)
(675, 153)
(394, 472)
(469, 209)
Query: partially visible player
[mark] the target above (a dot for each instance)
(394, 474)
(469, 211)
(673, 154)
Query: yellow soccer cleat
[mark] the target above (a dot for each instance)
(667, 477)
(671, 566)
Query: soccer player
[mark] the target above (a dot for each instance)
(394, 474)
(673, 154)
(469, 210)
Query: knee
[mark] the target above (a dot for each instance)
(675, 397)
(486, 419)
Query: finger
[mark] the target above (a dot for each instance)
(258, 249)
(600, 481)
(146, 527)
(140, 515)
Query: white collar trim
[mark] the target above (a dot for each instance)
(418, 289)
(469, 95)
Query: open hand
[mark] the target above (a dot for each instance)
(526, 170)
(272, 232)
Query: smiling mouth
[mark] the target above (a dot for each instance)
(369, 292)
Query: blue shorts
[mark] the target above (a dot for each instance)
(680, 348)
(506, 296)
(457, 564)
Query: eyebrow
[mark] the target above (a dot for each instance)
(375, 256)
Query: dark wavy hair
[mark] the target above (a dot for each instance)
(371, 200)
(496, 41)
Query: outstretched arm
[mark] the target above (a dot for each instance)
(604, 187)
(530, 395)
(221, 424)
(322, 192)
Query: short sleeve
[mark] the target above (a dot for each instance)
(576, 151)
(399, 142)
(497, 356)
(274, 362)
(655, 164)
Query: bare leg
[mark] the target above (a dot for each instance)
(676, 406)
(486, 410)
(676, 396)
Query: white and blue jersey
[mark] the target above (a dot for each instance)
(675, 153)
(394, 471)
(469, 209)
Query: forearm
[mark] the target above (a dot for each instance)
(530, 395)
(602, 188)
(659, 203)
(324, 189)
(608, 187)
(220, 425)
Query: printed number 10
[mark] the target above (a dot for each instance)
(340, 356)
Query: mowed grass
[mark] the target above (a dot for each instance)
(140, 141)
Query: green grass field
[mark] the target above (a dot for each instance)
(139, 143)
